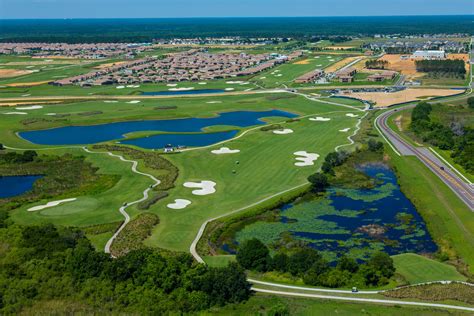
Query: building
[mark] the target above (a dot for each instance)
(429, 54)
(310, 76)
(384, 75)
(346, 74)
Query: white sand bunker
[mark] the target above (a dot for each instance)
(15, 113)
(50, 114)
(202, 83)
(50, 204)
(133, 86)
(110, 101)
(26, 95)
(204, 187)
(319, 119)
(316, 57)
(263, 78)
(120, 87)
(134, 101)
(279, 75)
(179, 204)
(171, 84)
(306, 159)
(352, 115)
(213, 102)
(224, 150)
(283, 131)
(235, 82)
(32, 107)
(181, 89)
(344, 130)
(229, 89)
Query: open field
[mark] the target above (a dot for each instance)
(418, 269)
(336, 66)
(383, 99)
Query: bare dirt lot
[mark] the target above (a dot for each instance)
(336, 66)
(9, 73)
(383, 99)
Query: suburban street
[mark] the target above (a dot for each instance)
(462, 189)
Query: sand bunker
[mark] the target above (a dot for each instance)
(179, 204)
(235, 82)
(263, 78)
(120, 87)
(171, 84)
(50, 204)
(32, 107)
(204, 187)
(133, 86)
(134, 101)
(202, 83)
(8, 73)
(229, 89)
(302, 62)
(345, 130)
(319, 119)
(110, 101)
(283, 131)
(26, 95)
(15, 113)
(213, 102)
(225, 150)
(305, 159)
(352, 115)
(181, 89)
(50, 114)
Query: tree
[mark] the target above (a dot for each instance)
(375, 145)
(253, 255)
(303, 260)
(347, 264)
(383, 263)
(470, 103)
(319, 182)
(280, 262)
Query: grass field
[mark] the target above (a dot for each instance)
(418, 269)
(266, 160)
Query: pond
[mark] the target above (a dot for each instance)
(91, 134)
(185, 92)
(348, 221)
(15, 185)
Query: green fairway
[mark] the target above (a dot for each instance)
(266, 160)
(418, 269)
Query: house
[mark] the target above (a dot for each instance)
(346, 74)
(310, 76)
(429, 54)
(384, 75)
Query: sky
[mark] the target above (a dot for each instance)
(30, 9)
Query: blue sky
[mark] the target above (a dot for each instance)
(225, 8)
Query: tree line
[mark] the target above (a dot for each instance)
(43, 263)
(308, 264)
(456, 137)
(376, 64)
(454, 66)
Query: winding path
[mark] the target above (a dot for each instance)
(127, 204)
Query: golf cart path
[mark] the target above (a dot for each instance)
(123, 208)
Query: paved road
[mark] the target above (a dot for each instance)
(463, 190)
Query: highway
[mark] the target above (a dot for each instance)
(462, 189)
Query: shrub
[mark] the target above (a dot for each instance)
(254, 255)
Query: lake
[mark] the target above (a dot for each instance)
(185, 92)
(92, 134)
(15, 185)
(348, 221)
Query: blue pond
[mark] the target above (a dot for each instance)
(15, 185)
(187, 92)
(75, 135)
(350, 221)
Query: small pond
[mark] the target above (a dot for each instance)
(185, 92)
(91, 134)
(348, 221)
(15, 185)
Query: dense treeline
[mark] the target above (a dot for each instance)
(308, 264)
(376, 64)
(454, 67)
(40, 263)
(457, 138)
(144, 30)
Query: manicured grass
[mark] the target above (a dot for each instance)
(418, 269)
(264, 304)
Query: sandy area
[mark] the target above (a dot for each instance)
(15, 113)
(50, 204)
(305, 159)
(283, 131)
(319, 119)
(345, 130)
(336, 66)
(229, 89)
(171, 84)
(224, 150)
(110, 101)
(31, 107)
(103, 66)
(383, 99)
(26, 84)
(202, 83)
(213, 102)
(8, 73)
(182, 89)
(134, 101)
(302, 62)
(204, 187)
(179, 204)
(338, 47)
(351, 115)
(234, 82)
(26, 103)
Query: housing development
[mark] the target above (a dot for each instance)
(236, 166)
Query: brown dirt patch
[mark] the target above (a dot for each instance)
(107, 65)
(338, 65)
(302, 62)
(9, 73)
(26, 84)
(383, 99)
(338, 47)
(9, 104)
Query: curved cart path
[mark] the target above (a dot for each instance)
(126, 204)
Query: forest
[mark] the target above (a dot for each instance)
(454, 67)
